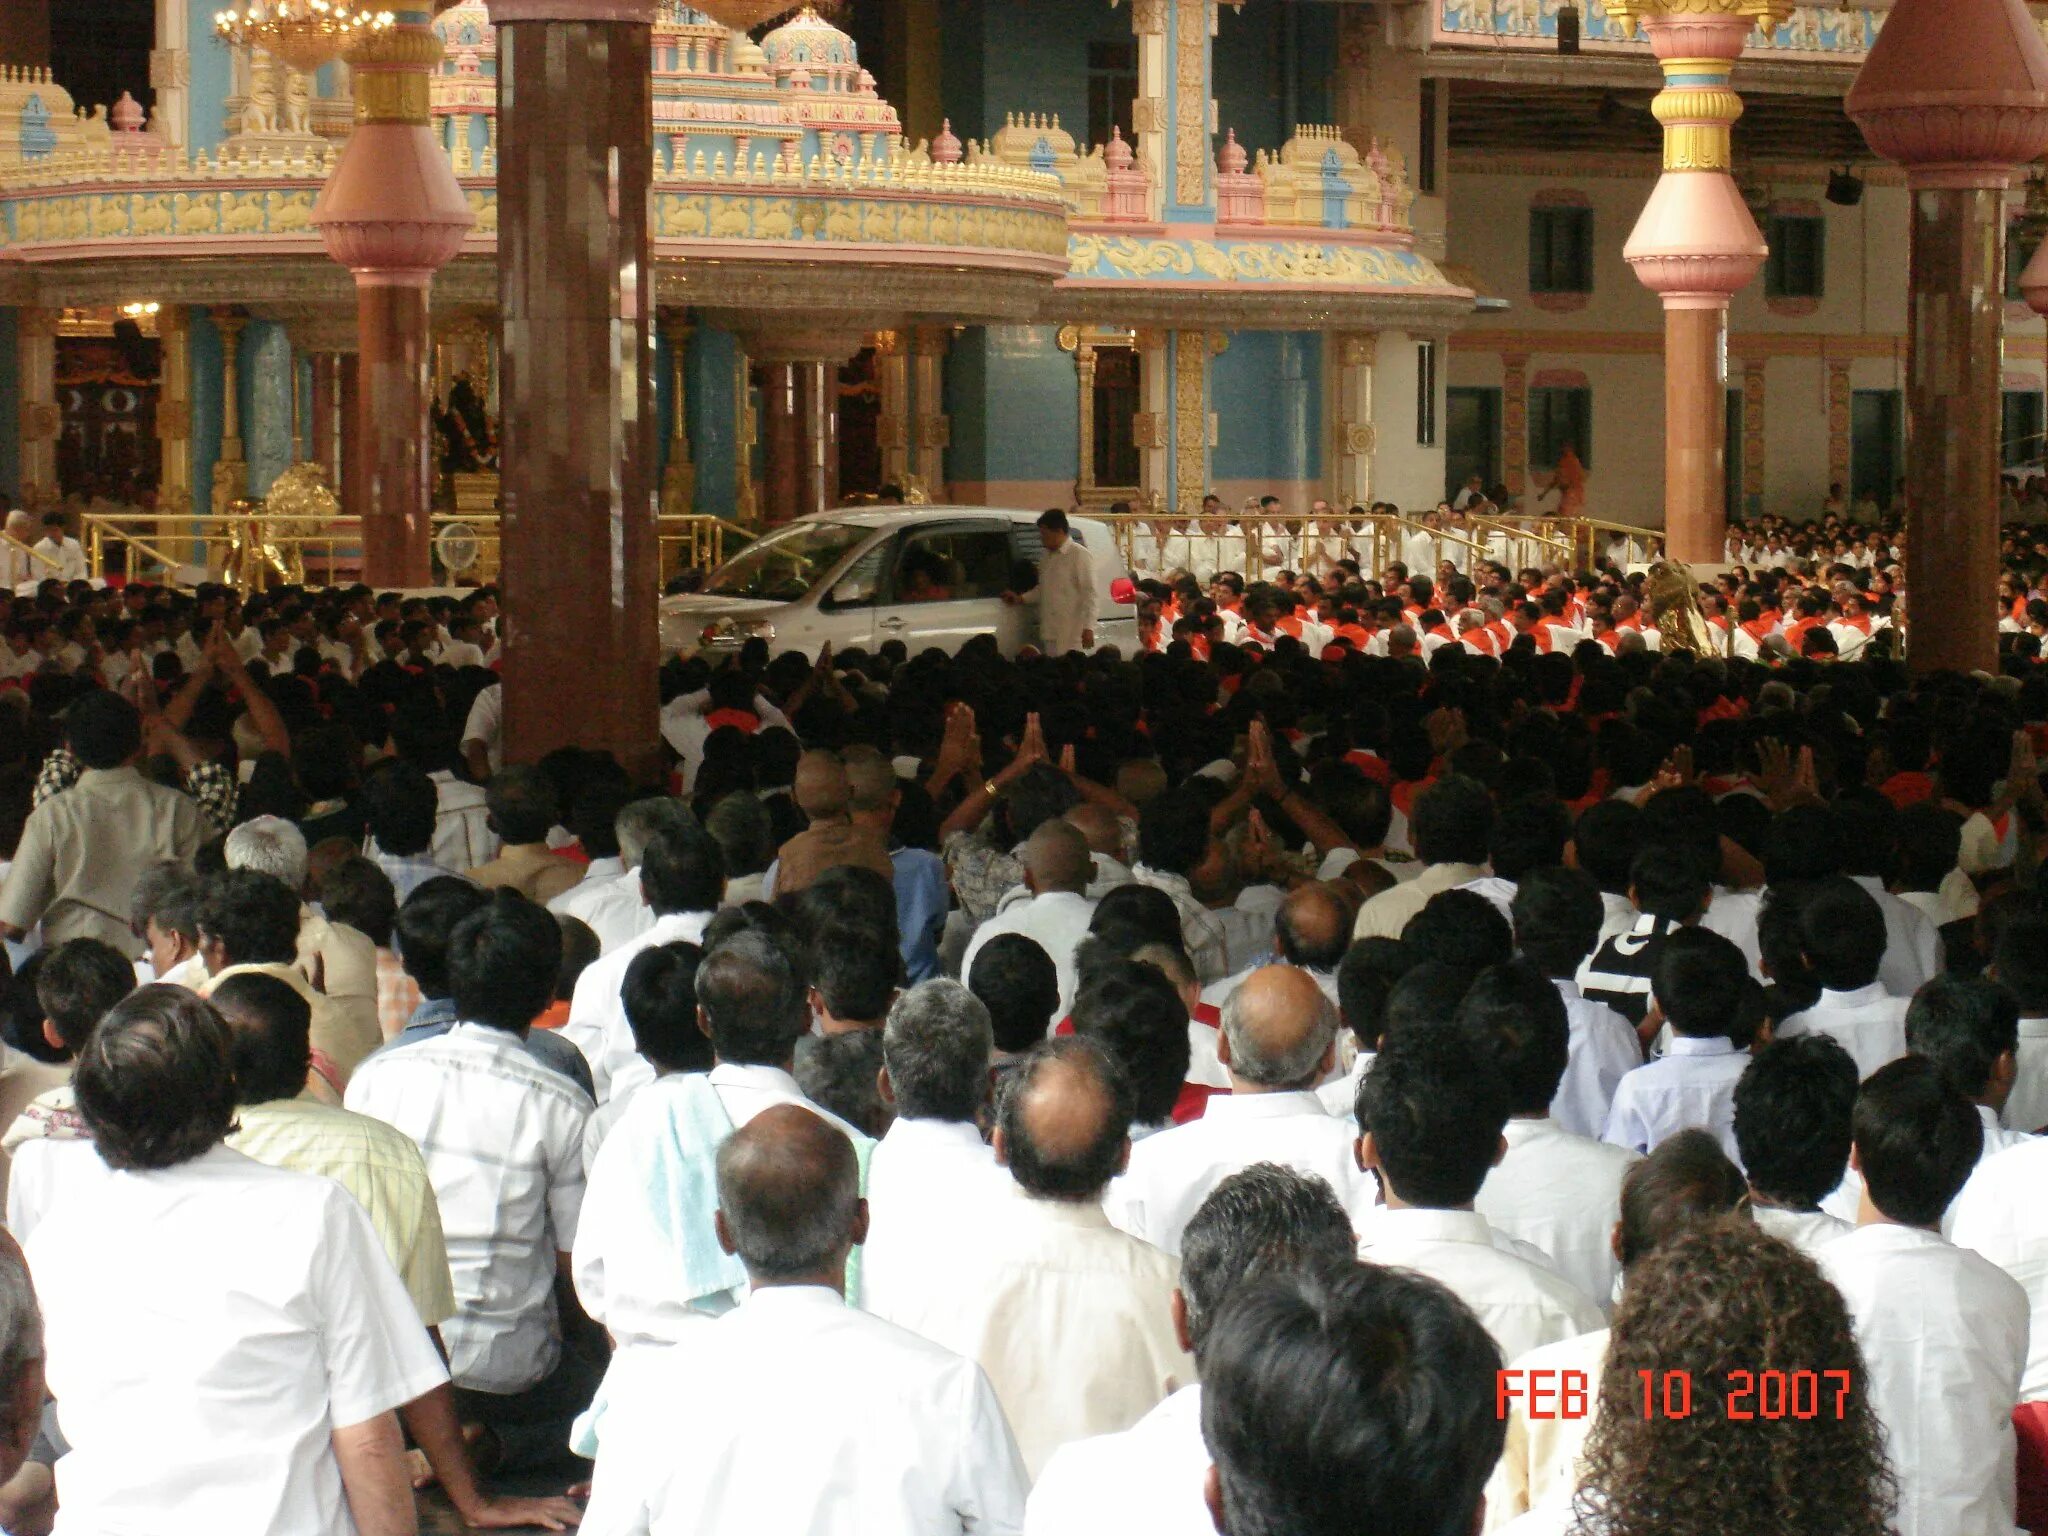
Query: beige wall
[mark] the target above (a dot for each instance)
(1615, 339)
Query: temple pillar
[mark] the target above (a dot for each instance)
(779, 447)
(170, 72)
(1352, 360)
(230, 472)
(893, 426)
(679, 478)
(1191, 424)
(174, 410)
(1149, 422)
(272, 416)
(42, 420)
(1695, 247)
(932, 429)
(1956, 91)
(800, 398)
(1174, 113)
(1514, 422)
(393, 214)
(576, 283)
(818, 426)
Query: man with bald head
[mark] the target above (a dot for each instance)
(1278, 1042)
(1104, 831)
(1070, 1317)
(823, 794)
(1057, 870)
(1311, 929)
(795, 1412)
(919, 875)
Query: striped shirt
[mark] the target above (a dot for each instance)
(503, 1140)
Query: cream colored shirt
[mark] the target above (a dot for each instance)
(1388, 913)
(533, 871)
(346, 963)
(1520, 1303)
(1539, 1463)
(1070, 1318)
(23, 1079)
(380, 1166)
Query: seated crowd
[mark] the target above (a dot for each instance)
(1301, 1079)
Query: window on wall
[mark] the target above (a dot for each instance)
(2020, 422)
(1560, 418)
(1560, 250)
(1425, 393)
(1798, 265)
(1425, 161)
(1112, 87)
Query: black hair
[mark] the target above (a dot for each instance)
(103, 729)
(1605, 839)
(841, 1074)
(751, 994)
(1019, 985)
(1133, 1011)
(1666, 881)
(1427, 995)
(522, 803)
(1366, 978)
(426, 920)
(154, 1082)
(77, 984)
(1519, 1017)
(1452, 822)
(1841, 933)
(659, 994)
(1434, 1107)
(1069, 1173)
(856, 971)
(1803, 843)
(1461, 929)
(1558, 915)
(1173, 831)
(1699, 980)
(272, 1028)
(502, 962)
(1963, 1024)
(1792, 1108)
(1132, 916)
(358, 893)
(254, 916)
(1528, 835)
(1917, 1140)
(1929, 842)
(682, 870)
(400, 804)
(2020, 960)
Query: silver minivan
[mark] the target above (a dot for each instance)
(928, 576)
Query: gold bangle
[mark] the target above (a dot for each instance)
(988, 787)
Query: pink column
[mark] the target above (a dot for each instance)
(1956, 91)
(393, 214)
(1695, 247)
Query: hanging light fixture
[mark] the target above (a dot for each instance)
(743, 15)
(305, 34)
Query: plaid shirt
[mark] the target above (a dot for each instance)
(209, 783)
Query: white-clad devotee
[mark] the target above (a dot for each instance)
(230, 1342)
(1263, 1220)
(932, 1164)
(1057, 872)
(1069, 1316)
(613, 904)
(1843, 939)
(1698, 987)
(1431, 1114)
(1278, 1042)
(66, 553)
(796, 1413)
(1792, 1113)
(1555, 1190)
(1942, 1329)
(1557, 915)
(1065, 594)
(682, 877)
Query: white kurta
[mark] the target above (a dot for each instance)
(1149, 1478)
(797, 1415)
(1944, 1340)
(1562, 1193)
(1869, 1023)
(1065, 596)
(923, 1176)
(1056, 921)
(2001, 1215)
(598, 1026)
(1602, 1051)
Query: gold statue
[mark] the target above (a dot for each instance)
(266, 542)
(1671, 599)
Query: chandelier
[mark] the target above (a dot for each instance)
(305, 34)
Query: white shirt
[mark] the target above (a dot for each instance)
(1070, 1318)
(1603, 1050)
(486, 723)
(1539, 1462)
(1692, 1083)
(597, 1012)
(69, 555)
(610, 903)
(208, 1327)
(503, 1140)
(684, 728)
(1869, 1023)
(1149, 1478)
(1912, 944)
(1065, 597)
(1944, 1339)
(1341, 1097)
(1561, 1192)
(2026, 1107)
(921, 1176)
(2001, 1215)
(1520, 1303)
(48, 1173)
(1056, 921)
(1808, 1231)
(463, 838)
(798, 1415)
(1171, 1174)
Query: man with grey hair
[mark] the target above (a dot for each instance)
(615, 908)
(21, 1360)
(936, 1049)
(1265, 1220)
(795, 1412)
(340, 962)
(1278, 1041)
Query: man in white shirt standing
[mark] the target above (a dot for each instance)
(932, 1164)
(1264, 1220)
(57, 545)
(1065, 594)
(1792, 1109)
(1278, 1042)
(503, 1140)
(1057, 869)
(229, 1339)
(1942, 1329)
(1842, 936)
(795, 1412)
(682, 877)
(1069, 1317)
(1558, 1191)
(1430, 1114)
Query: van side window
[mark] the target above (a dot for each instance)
(952, 563)
(862, 583)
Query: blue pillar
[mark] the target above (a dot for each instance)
(206, 408)
(713, 416)
(267, 403)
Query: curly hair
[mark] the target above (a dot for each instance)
(1721, 1297)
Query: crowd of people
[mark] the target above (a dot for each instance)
(1411, 1050)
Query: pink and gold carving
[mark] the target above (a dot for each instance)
(1192, 24)
(1191, 418)
(1838, 421)
(1514, 422)
(1753, 428)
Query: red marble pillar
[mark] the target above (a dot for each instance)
(579, 450)
(391, 409)
(1696, 431)
(818, 392)
(781, 480)
(1957, 92)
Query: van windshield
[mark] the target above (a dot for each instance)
(784, 566)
